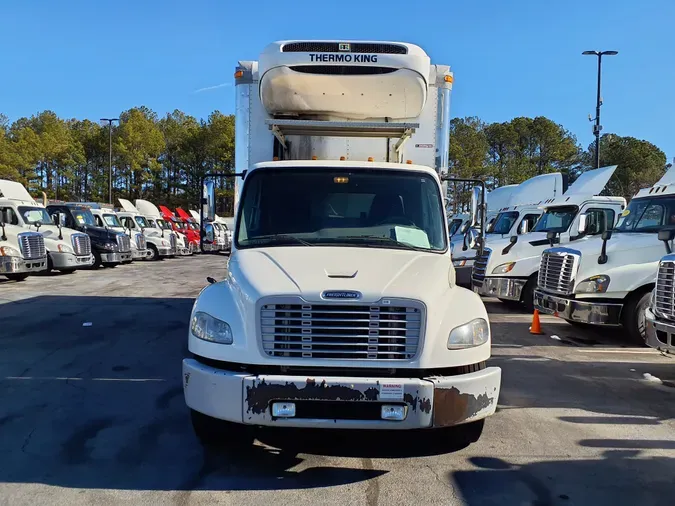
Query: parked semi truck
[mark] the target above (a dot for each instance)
(108, 247)
(22, 247)
(180, 243)
(158, 242)
(509, 267)
(190, 237)
(660, 314)
(608, 280)
(105, 216)
(340, 307)
(512, 210)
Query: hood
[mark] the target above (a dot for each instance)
(536, 189)
(166, 213)
(668, 177)
(498, 198)
(309, 271)
(15, 191)
(99, 232)
(180, 212)
(147, 208)
(591, 182)
(195, 215)
(128, 206)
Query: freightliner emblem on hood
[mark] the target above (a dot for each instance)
(341, 294)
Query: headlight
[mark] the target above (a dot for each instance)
(165, 243)
(594, 284)
(110, 246)
(459, 263)
(8, 251)
(474, 333)
(64, 248)
(504, 268)
(208, 328)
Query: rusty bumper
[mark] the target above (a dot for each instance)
(341, 402)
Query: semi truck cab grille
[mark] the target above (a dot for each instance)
(387, 330)
(479, 267)
(664, 297)
(335, 47)
(32, 245)
(141, 243)
(172, 241)
(558, 269)
(124, 243)
(81, 244)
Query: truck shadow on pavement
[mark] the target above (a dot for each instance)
(92, 398)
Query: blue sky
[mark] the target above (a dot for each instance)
(89, 59)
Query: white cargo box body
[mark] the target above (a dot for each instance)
(306, 99)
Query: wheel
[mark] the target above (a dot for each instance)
(633, 317)
(97, 259)
(468, 433)
(213, 432)
(527, 295)
(67, 271)
(17, 277)
(154, 253)
(111, 265)
(513, 304)
(50, 264)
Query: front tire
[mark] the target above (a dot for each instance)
(527, 296)
(214, 432)
(17, 277)
(634, 320)
(154, 252)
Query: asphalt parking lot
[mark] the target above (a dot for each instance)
(92, 411)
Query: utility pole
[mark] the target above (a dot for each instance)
(110, 120)
(597, 127)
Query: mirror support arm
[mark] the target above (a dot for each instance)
(481, 183)
(202, 198)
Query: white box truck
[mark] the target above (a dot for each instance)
(340, 307)
(608, 280)
(509, 267)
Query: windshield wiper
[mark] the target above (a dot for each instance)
(267, 239)
(367, 238)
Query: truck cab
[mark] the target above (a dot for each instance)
(22, 250)
(66, 249)
(158, 242)
(511, 211)
(509, 268)
(608, 280)
(340, 307)
(106, 217)
(192, 225)
(155, 219)
(109, 248)
(179, 226)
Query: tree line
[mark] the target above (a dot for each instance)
(163, 159)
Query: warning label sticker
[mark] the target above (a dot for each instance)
(391, 391)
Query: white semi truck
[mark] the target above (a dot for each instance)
(660, 314)
(509, 267)
(22, 248)
(511, 210)
(340, 307)
(106, 217)
(158, 242)
(155, 219)
(608, 280)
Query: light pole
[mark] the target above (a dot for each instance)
(597, 127)
(110, 120)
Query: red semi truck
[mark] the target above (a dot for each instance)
(179, 225)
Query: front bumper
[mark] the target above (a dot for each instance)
(503, 288)
(111, 258)
(17, 265)
(594, 313)
(166, 252)
(321, 401)
(660, 332)
(140, 254)
(127, 256)
(182, 251)
(70, 260)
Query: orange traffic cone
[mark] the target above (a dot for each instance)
(536, 325)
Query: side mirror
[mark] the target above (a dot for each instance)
(512, 242)
(583, 219)
(523, 228)
(666, 236)
(551, 236)
(465, 226)
(210, 199)
(475, 206)
(606, 236)
(470, 239)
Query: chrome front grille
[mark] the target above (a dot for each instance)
(81, 244)
(558, 269)
(32, 245)
(479, 267)
(141, 243)
(387, 330)
(664, 298)
(186, 243)
(124, 243)
(172, 241)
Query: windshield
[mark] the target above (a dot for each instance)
(454, 225)
(83, 217)
(163, 224)
(556, 219)
(142, 222)
(342, 207)
(647, 215)
(504, 223)
(32, 215)
(111, 220)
